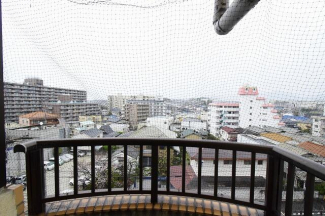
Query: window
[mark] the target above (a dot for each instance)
(250, 113)
(251, 107)
(251, 101)
(260, 162)
(250, 119)
(247, 162)
(227, 162)
(316, 126)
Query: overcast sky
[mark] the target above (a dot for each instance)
(167, 49)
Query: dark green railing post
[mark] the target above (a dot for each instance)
(154, 174)
(2, 116)
(35, 181)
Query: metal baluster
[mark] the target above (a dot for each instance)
(75, 170)
(56, 172)
(154, 174)
(183, 168)
(125, 168)
(141, 167)
(199, 171)
(233, 183)
(92, 164)
(168, 169)
(216, 162)
(109, 169)
(309, 195)
(290, 185)
(252, 186)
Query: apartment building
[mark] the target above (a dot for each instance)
(136, 113)
(223, 114)
(255, 110)
(70, 110)
(318, 127)
(31, 96)
(119, 101)
(157, 107)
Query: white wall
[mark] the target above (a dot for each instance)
(195, 125)
(252, 113)
(160, 121)
(120, 127)
(226, 170)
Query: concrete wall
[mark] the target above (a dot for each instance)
(12, 201)
(226, 170)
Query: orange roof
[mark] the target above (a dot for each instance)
(39, 116)
(313, 148)
(276, 137)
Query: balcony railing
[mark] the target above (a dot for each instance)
(274, 172)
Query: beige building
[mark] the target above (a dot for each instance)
(119, 101)
(93, 118)
(136, 113)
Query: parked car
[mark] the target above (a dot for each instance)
(60, 161)
(81, 154)
(81, 180)
(69, 156)
(10, 180)
(64, 158)
(48, 165)
(67, 192)
(20, 179)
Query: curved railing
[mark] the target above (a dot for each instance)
(274, 158)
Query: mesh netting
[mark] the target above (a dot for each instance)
(111, 59)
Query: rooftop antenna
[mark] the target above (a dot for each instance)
(225, 17)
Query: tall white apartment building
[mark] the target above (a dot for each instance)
(254, 110)
(318, 127)
(223, 114)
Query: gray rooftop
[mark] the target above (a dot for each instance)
(94, 132)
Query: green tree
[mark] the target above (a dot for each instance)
(211, 137)
(320, 188)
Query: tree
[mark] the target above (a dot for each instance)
(320, 188)
(101, 173)
(211, 137)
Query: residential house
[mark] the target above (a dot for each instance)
(230, 134)
(160, 121)
(193, 134)
(38, 118)
(243, 163)
(193, 123)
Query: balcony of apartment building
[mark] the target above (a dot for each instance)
(167, 187)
